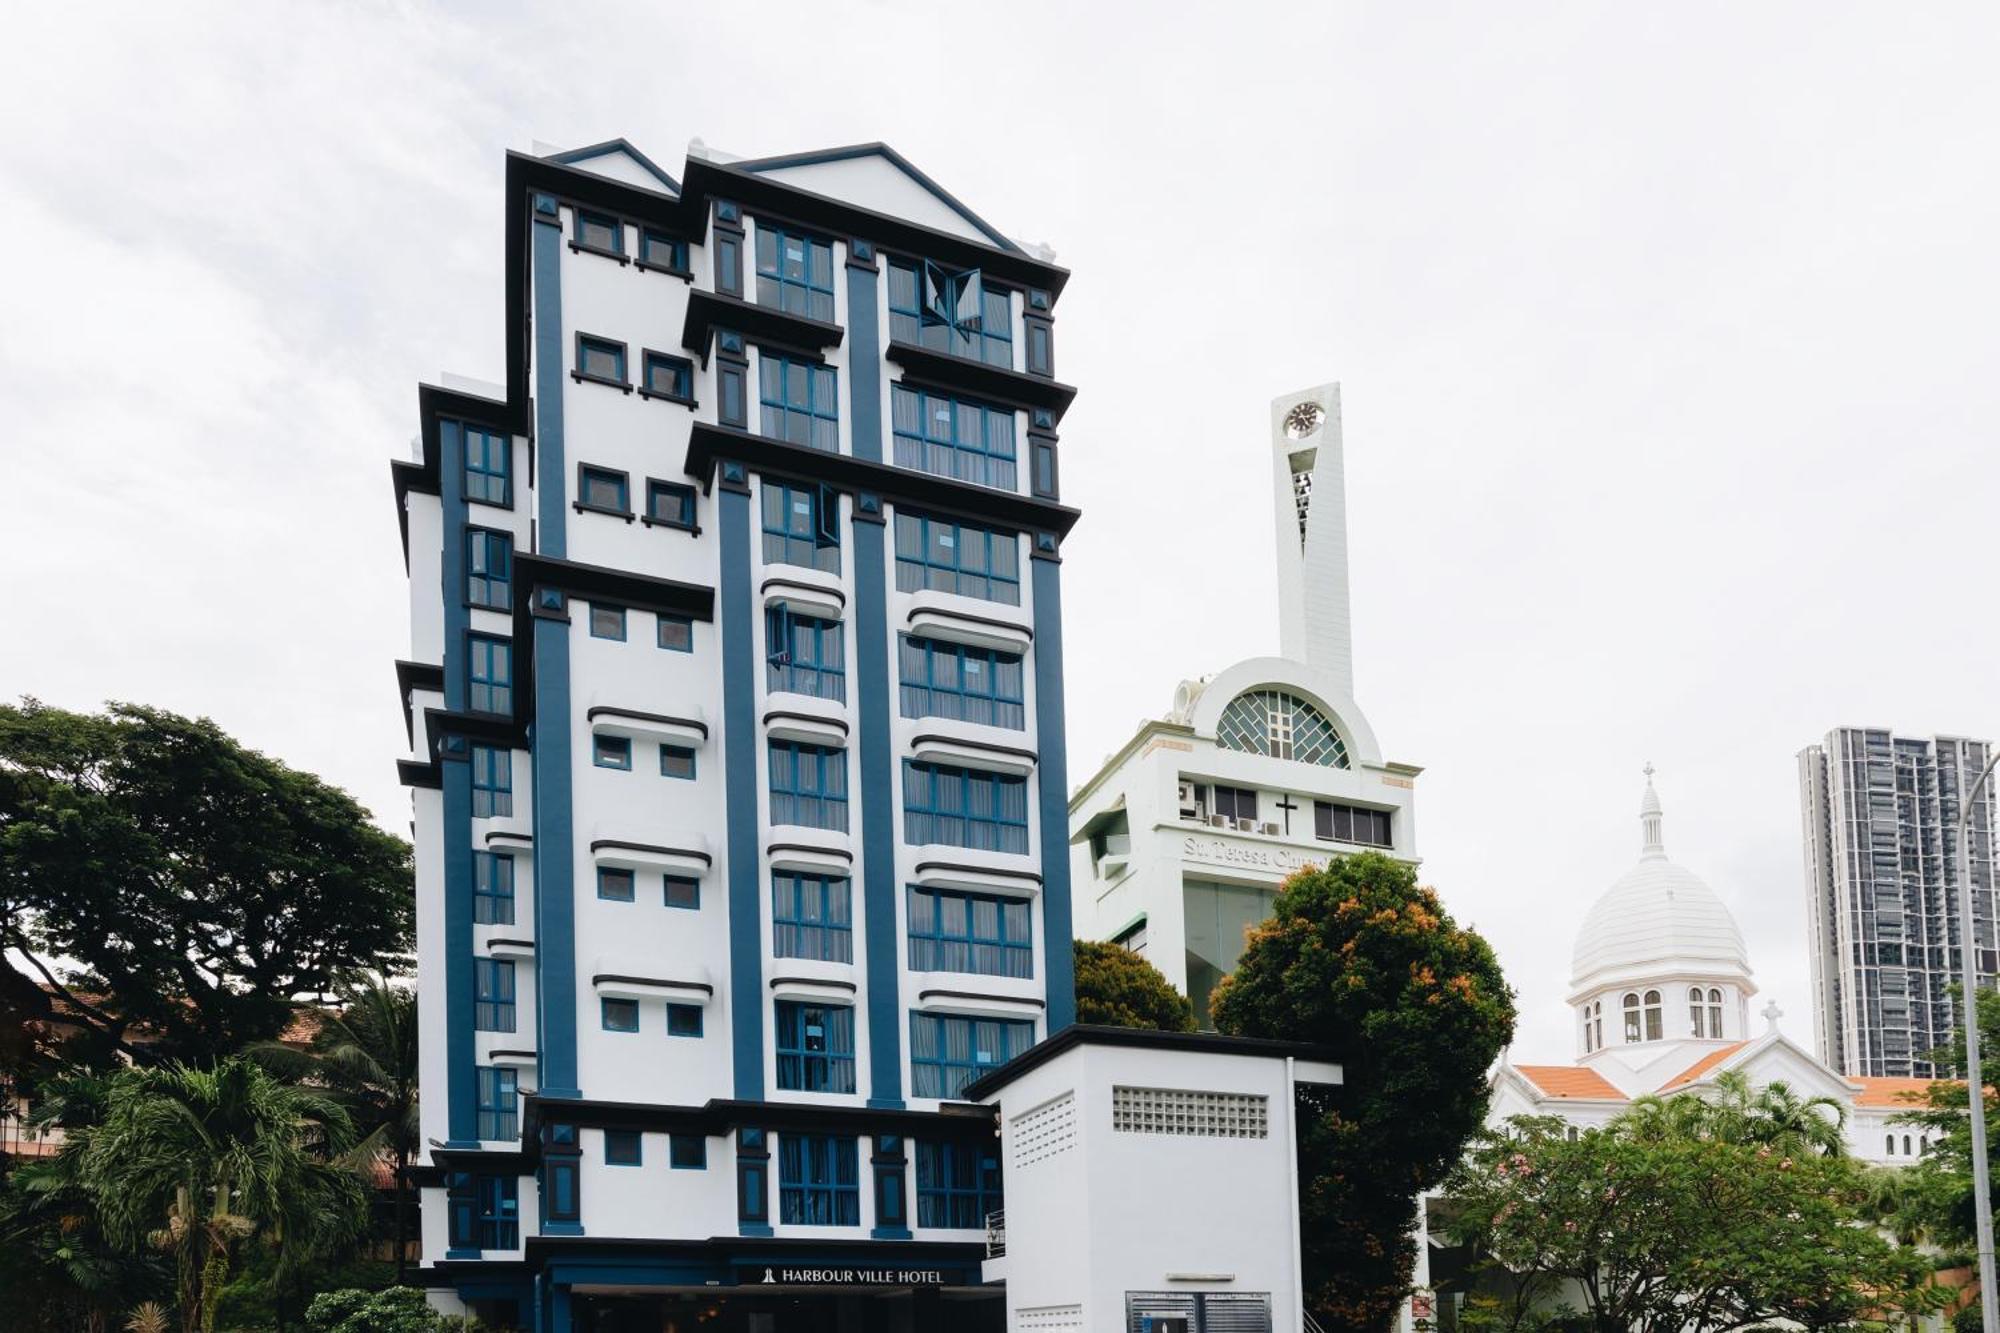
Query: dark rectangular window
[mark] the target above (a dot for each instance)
(958, 1184)
(948, 1051)
(964, 807)
(970, 932)
(819, 1181)
(1351, 823)
(676, 762)
(676, 634)
(492, 889)
(607, 622)
(957, 557)
(485, 1212)
(683, 892)
(683, 1020)
(600, 359)
(492, 782)
(492, 995)
(669, 377)
(804, 654)
(670, 504)
(951, 311)
(731, 377)
(623, 1147)
(1041, 349)
(1045, 469)
(619, 1015)
(729, 264)
(951, 437)
(753, 1164)
(815, 1047)
(659, 250)
(611, 752)
(1235, 802)
(615, 884)
(800, 403)
(812, 917)
(603, 488)
(499, 1105)
(489, 569)
(687, 1152)
(490, 671)
(488, 466)
(941, 679)
(595, 231)
(794, 273)
(798, 527)
(808, 785)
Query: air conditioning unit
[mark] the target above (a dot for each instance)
(1218, 821)
(1191, 807)
(1246, 826)
(1269, 830)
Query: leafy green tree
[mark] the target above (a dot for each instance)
(1771, 1116)
(1117, 987)
(1939, 1196)
(197, 1163)
(1360, 959)
(195, 888)
(396, 1310)
(364, 1055)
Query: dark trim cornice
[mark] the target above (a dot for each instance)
(960, 374)
(411, 677)
(617, 845)
(968, 618)
(832, 594)
(925, 867)
(828, 982)
(708, 311)
(634, 591)
(1092, 1034)
(518, 944)
(664, 982)
(501, 835)
(981, 996)
(774, 848)
(484, 728)
(413, 774)
(940, 738)
(724, 1114)
(777, 713)
(605, 710)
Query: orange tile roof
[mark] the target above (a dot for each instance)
(1570, 1081)
(1700, 1067)
(1894, 1092)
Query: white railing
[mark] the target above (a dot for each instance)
(996, 1234)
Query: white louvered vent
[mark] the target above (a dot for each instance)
(1184, 1112)
(1049, 1319)
(1042, 1133)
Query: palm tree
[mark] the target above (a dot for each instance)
(194, 1162)
(1778, 1118)
(364, 1056)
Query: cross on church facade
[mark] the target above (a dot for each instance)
(1285, 804)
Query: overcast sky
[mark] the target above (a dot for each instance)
(1666, 338)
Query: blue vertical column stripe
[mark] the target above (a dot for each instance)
(555, 858)
(740, 760)
(551, 487)
(1052, 782)
(461, 1053)
(864, 364)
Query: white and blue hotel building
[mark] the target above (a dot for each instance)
(736, 718)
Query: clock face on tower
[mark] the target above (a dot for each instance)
(1303, 420)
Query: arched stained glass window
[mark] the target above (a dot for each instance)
(1715, 1014)
(1653, 1028)
(1631, 1016)
(1698, 1013)
(1281, 725)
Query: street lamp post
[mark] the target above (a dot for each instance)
(1975, 1082)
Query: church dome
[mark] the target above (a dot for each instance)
(1658, 920)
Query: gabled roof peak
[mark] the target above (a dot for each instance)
(577, 157)
(848, 152)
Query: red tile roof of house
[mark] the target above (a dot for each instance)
(1893, 1092)
(1700, 1067)
(1570, 1082)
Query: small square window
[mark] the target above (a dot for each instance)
(670, 503)
(612, 751)
(607, 622)
(659, 250)
(677, 634)
(669, 377)
(622, 1147)
(602, 488)
(621, 1015)
(595, 231)
(676, 762)
(683, 892)
(600, 359)
(687, 1152)
(683, 1020)
(615, 884)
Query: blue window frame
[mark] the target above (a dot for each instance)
(598, 231)
(958, 1184)
(687, 1152)
(815, 1046)
(951, 437)
(819, 1180)
(794, 273)
(611, 752)
(600, 359)
(489, 567)
(603, 489)
(619, 1015)
(676, 634)
(493, 995)
(980, 685)
(948, 1051)
(964, 807)
(492, 889)
(492, 782)
(607, 622)
(669, 504)
(668, 377)
(616, 884)
(801, 526)
(659, 250)
(957, 557)
(950, 311)
(489, 669)
(499, 1105)
(484, 1211)
(812, 917)
(683, 892)
(808, 785)
(800, 401)
(488, 466)
(683, 1020)
(623, 1147)
(676, 761)
(804, 654)
(970, 932)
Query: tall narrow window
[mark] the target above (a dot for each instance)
(951, 437)
(819, 1180)
(1631, 1016)
(952, 557)
(812, 917)
(962, 807)
(492, 782)
(970, 932)
(1654, 1027)
(808, 785)
(490, 671)
(488, 457)
(980, 685)
(800, 402)
(801, 527)
(794, 273)
(492, 889)
(493, 995)
(489, 569)
(958, 1184)
(1715, 1014)
(499, 1106)
(815, 1047)
(804, 654)
(484, 1211)
(948, 1051)
(1698, 1014)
